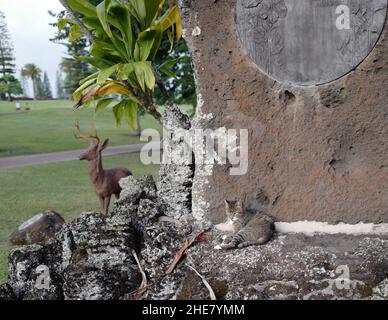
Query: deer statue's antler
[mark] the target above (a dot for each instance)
(79, 135)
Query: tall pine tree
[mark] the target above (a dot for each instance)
(9, 84)
(7, 65)
(46, 87)
(60, 92)
(73, 69)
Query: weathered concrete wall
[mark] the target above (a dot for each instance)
(318, 153)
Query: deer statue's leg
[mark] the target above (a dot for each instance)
(106, 205)
(102, 204)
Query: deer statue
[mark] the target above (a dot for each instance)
(106, 182)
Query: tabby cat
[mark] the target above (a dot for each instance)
(244, 228)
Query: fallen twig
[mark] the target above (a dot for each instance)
(188, 243)
(137, 294)
(207, 285)
(143, 286)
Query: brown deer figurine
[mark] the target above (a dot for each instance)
(106, 182)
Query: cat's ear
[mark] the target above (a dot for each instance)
(227, 203)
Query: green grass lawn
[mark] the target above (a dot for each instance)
(64, 187)
(48, 127)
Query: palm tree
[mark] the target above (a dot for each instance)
(31, 71)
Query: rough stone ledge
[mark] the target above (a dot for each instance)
(292, 266)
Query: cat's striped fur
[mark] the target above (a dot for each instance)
(245, 228)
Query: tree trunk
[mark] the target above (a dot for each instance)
(34, 88)
(137, 132)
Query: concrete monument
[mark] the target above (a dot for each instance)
(308, 79)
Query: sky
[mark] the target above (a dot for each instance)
(28, 24)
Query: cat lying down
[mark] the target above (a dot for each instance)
(244, 228)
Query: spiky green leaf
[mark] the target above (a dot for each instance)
(102, 13)
(83, 7)
(75, 33)
(138, 10)
(106, 73)
(102, 104)
(126, 109)
(124, 24)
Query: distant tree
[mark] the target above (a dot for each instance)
(60, 92)
(40, 93)
(74, 69)
(39, 87)
(9, 86)
(46, 87)
(179, 80)
(32, 72)
(7, 65)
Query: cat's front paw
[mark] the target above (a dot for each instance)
(227, 238)
(225, 246)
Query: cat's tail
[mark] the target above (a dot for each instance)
(259, 242)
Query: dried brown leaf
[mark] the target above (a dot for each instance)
(207, 285)
(143, 286)
(188, 243)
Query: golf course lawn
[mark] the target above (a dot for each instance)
(64, 187)
(49, 127)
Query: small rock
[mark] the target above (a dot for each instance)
(6, 292)
(39, 229)
(133, 190)
(192, 288)
(34, 272)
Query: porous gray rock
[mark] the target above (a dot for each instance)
(132, 190)
(101, 265)
(6, 292)
(39, 229)
(176, 172)
(161, 232)
(91, 258)
(159, 242)
(34, 272)
(175, 189)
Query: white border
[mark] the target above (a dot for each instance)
(313, 227)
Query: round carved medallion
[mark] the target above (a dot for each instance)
(309, 42)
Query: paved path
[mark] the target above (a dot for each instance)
(23, 161)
